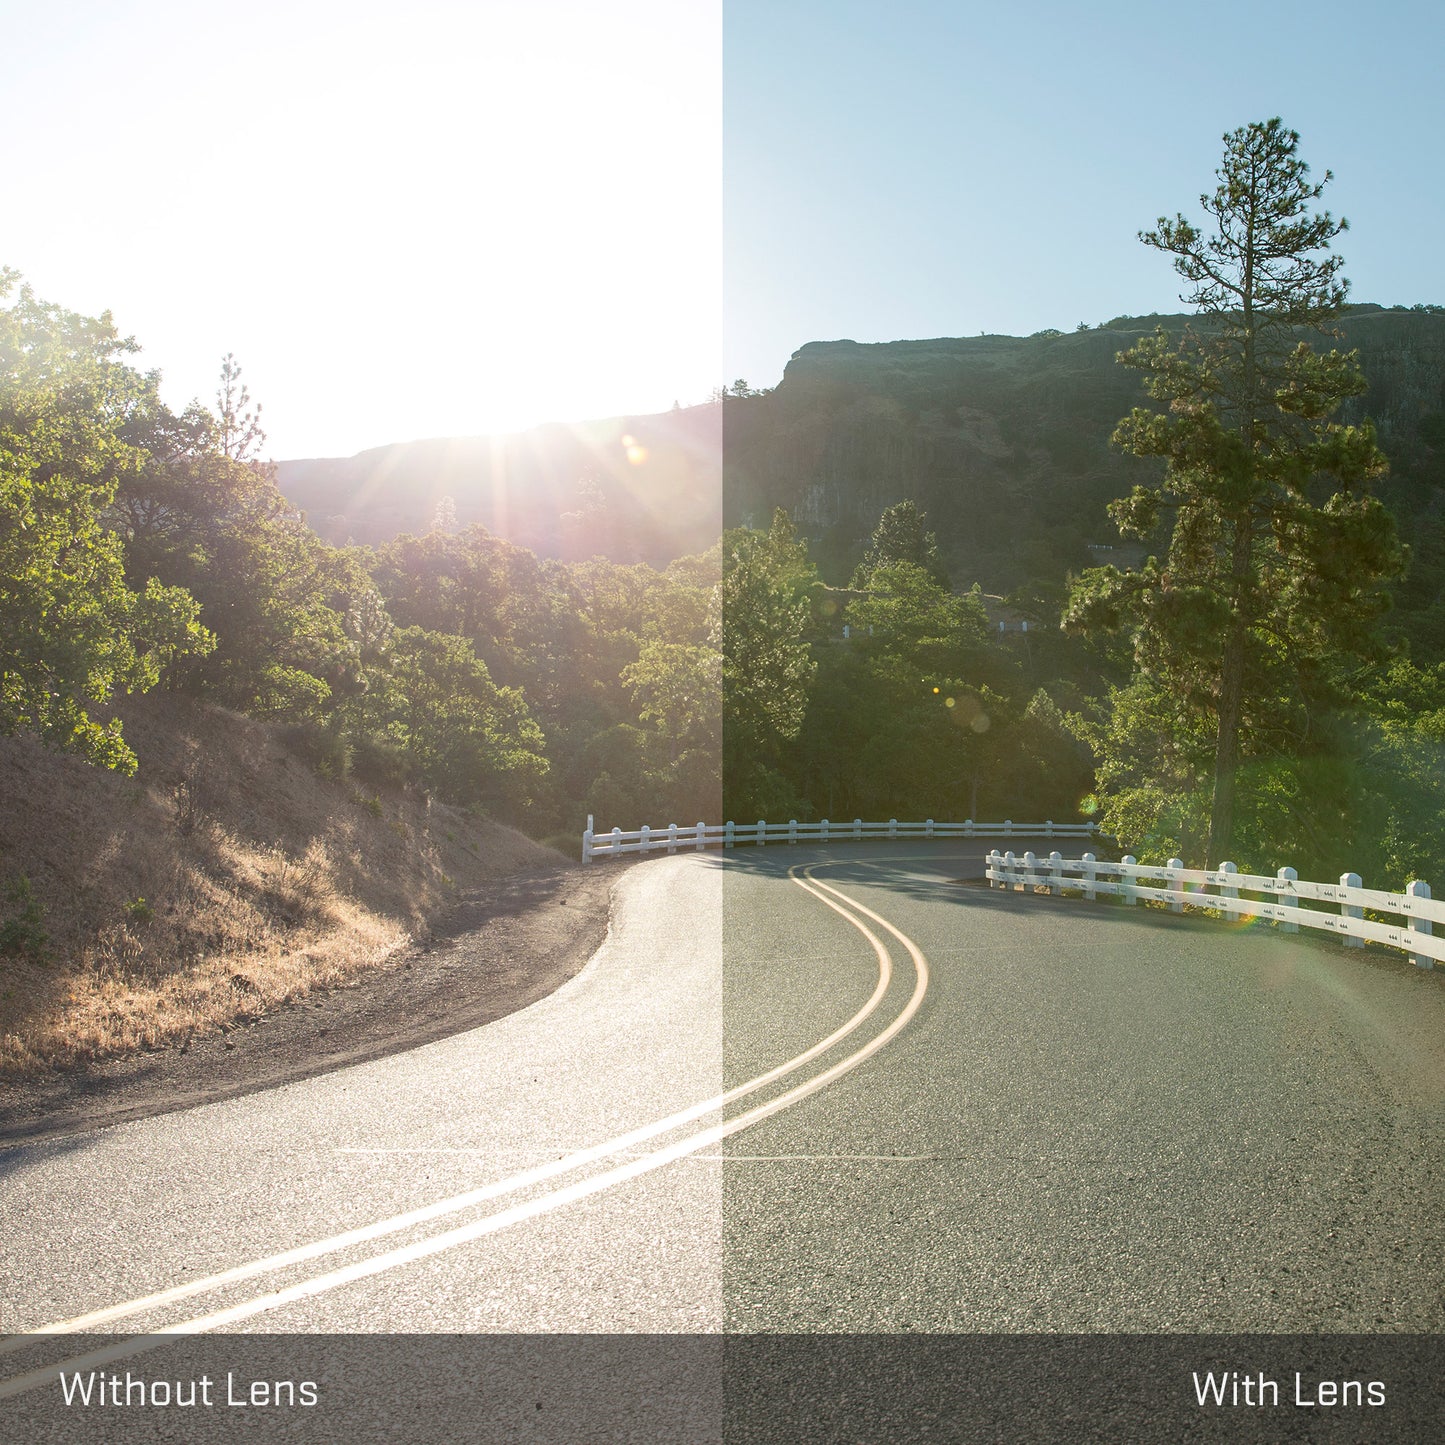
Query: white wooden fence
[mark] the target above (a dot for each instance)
(759, 834)
(1284, 899)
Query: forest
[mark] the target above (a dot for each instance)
(1243, 688)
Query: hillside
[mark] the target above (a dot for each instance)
(1004, 441)
(224, 878)
(641, 488)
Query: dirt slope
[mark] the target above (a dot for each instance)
(223, 879)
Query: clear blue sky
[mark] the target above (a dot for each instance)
(460, 216)
(943, 169)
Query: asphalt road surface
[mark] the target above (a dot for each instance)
(799, 1090)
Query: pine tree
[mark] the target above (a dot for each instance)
(1277, 552)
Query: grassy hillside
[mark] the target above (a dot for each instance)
(225, 877)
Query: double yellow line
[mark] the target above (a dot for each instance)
(848, 908)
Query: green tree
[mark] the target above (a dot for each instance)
(766, 662)
(475, 743)
(901, 535)
(72, 633)
(1277, 552)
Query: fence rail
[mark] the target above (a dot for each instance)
(728, 835)
(1285, 898)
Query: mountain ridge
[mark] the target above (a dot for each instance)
(1003, 440)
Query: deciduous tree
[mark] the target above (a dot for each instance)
(72, 634)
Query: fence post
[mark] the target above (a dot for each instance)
(644, 843)
(792, 830)
(968, 827)
(1010, 865)
(893, 827)
(1287, 875)
(1225, 891)
(672, 837)
(1351, 880)
(1091, 894)
(825, 830)
(857, 827)
(701, 835)
(1417, 889)
(1176, 903)
(587, 840)
(1287, 896)
(728, 833)
(617, 842)
(1049, 828)
(1008, 828)
(1131, 895)
(928, 829)
(991, 866)
(1056, 874)
(762, 833)
(1031, 868)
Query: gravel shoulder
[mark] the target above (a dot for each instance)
(503, 947)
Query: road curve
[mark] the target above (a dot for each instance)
(803, 1090)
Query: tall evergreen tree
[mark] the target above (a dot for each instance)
(1277, 552)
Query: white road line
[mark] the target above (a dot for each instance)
(458, 1202)
(820, 1158)
(543, 1204)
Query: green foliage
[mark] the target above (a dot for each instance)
(22, 932)
(72, 633)
(1276, 550)
(473, 742)
(901, 536)
(766, 663)
(909, 616)
(137, 910)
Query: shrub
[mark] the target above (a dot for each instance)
(380, 764)
(23, 932)
(325, 750)
(139, 911)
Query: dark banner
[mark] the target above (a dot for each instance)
(726, 1388)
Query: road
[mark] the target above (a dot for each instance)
(797, 1091)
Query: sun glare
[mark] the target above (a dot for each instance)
(480, 218)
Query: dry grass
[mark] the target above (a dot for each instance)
(224, 878)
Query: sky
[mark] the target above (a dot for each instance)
(914, 170)
(459, 218)
(404, 220)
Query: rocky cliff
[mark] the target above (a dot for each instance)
(1004, 440)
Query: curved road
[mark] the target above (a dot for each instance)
(803, 1091)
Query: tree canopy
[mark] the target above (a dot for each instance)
(72, 633)
(1276, 550)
